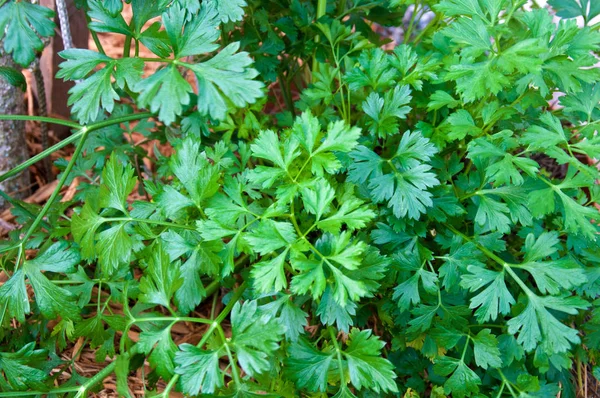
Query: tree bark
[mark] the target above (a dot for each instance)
(13, 147)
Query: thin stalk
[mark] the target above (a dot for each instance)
(173, 319)
(56, 191)
(155, 222)
(214, 325)
(341, 7)
(413, 17)
(81, 390)
(89, 128)
(285, 91)
(94, 35)
(321, 11)
(46, 119)
(339, 356)
(234, 370)
(127, 47)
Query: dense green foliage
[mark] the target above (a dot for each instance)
(383, 222)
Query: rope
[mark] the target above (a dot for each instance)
(65, 29)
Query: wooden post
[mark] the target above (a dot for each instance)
(57, 90)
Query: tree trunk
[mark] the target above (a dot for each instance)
(13, 148)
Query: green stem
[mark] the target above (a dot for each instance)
(464, 352)
(214, 325)
(173, 319)
(42, 119)
(413, 17)
(127, 47)
(81, 390)
(285, 91)
(155, 222)
(82, 129)
(169, 60)
(341, 7)
(339, 356)
(321, 11)
(236, 296)
(94, 35)
(234, 370)
(56, 192)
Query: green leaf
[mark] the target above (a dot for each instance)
(353, 212)
(84, 227)
(255, 337)
(199, 33)
(52, 300)
(308, 366)
(21, 26)
(332, 313)
(162, 350)
(318, 197)
(79, 63)
(463, 381)
(117, 183)
(114, 246)
(270, 235)
(494, 299)
(555, 276)
(195, 171)
(384, 112)
(366, 366)
(291, 316)
(165, 92)
(13, 295)
(472, 34)
(504, 167)
(161, 279)
(492, 215)
(269, 275)
(103, 21)
(230, 10)
(486, 351)
(535, 324)
(21, 369)
(405, 187)
(538, 137)
(199, 370)
(462, 124)
(14, 77)
(92, 94)
(57, 258)
(469, 8)
(573, 8)
(225, 79)
(439, 99)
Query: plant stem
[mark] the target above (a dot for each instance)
(127, 47)
(91, 127)
(173, 319)
(46, 119)
(56, 191)
(94, 35)
(321, 11)
(81, 390)
(339, 356)
(413, 17)
(155, 222)
(214, 325)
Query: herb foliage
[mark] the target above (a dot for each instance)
(390, 229)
